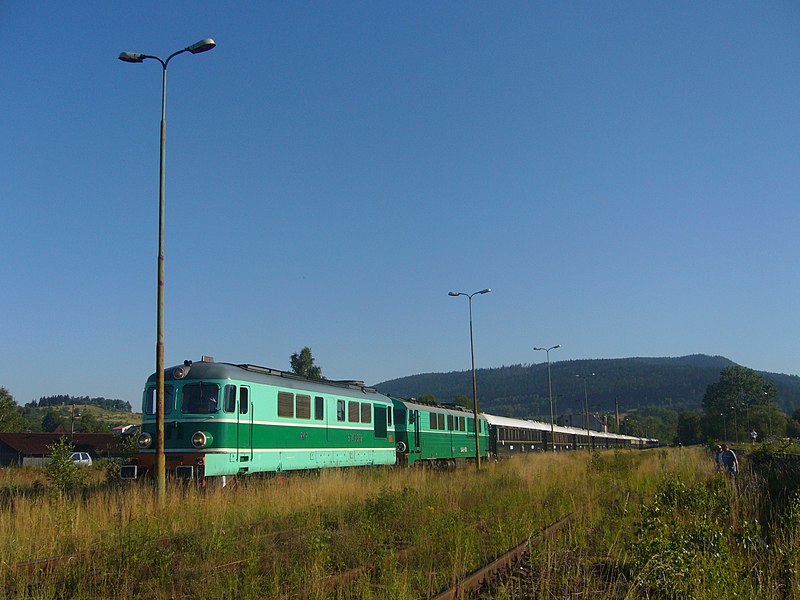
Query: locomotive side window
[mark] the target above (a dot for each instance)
(353, 411)
(450, 422)
(285, 404)
(319, 408)
(229, 405)
(441, 421)
(434, 421)
(169, 400)
(200, 398)
(389, 417)
(244, 397)
(340, 410)
(366, 412)
(303, 406)
(461, 423)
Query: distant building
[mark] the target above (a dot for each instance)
(16, 447)
(125, 429)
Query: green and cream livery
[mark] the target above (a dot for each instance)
(224, 419)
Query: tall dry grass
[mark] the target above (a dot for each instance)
(397, 533)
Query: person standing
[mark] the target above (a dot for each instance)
(728, 460)
(753, 436)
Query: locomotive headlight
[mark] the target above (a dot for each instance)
(144, 440)
(201, 439)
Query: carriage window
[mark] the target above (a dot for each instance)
(244, 397)
(319, 408)
(441, 421)
(200, 398)
(434, 421)
(450, 422)
(285, 404)
(353, 411)
(471, 424)
(303, 407)
(461, 423)
(366, 412)
(229, 405)
(169, 400)
(389, 417)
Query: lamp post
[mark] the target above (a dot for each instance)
(136, 57)
(724, 427)
(586, 408)
(735, 424)
(474, 380)
(550, 388)
(72, 423)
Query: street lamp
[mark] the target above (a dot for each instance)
(136, 57)
(474, 380)
(72, 423)
(586, 409)
(724, 427)
(550, 387)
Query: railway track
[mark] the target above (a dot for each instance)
(469, 583)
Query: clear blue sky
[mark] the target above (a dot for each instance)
(623, 175)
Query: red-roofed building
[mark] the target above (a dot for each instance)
(14, 447)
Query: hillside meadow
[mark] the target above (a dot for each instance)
(651, 524)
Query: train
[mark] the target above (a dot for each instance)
(224, 420)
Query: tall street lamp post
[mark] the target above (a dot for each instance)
(136, 57)
(586, 411)
(724, 427)
(474, 380)
(550, 388)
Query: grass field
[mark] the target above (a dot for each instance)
(653, 524)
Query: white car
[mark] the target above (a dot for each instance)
(81, 458)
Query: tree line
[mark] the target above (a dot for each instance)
(64, 400)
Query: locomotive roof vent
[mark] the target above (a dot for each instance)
(205, 358)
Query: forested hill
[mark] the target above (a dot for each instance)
(521, 390)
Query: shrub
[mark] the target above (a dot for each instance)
(62, 473)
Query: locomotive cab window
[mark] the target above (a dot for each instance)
(200, 398)
(244, 400)
(150, 402)
(229, 404)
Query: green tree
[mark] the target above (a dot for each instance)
(62, 472)
(738, 391)
(10, 413)
(303, 364)
(50, 420)
(428, 399)
(690, 428)
(464, 401)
